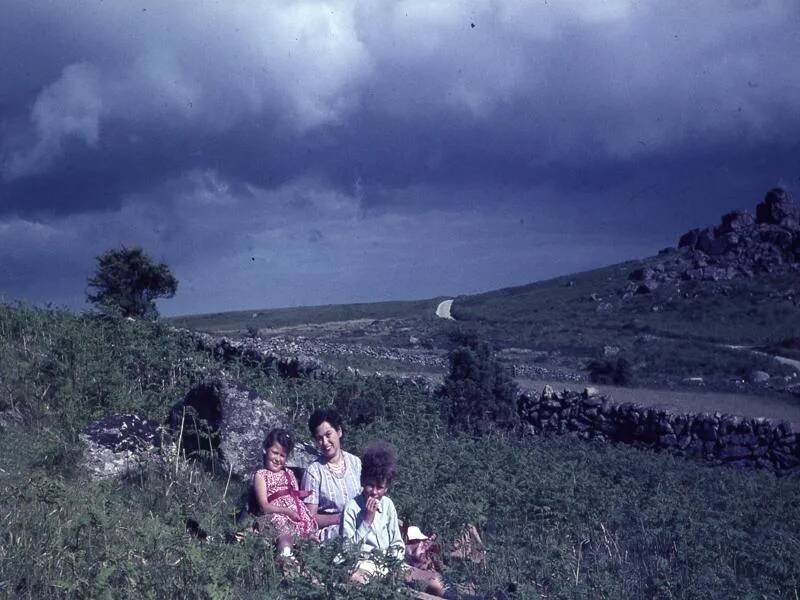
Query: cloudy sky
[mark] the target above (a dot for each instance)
(293, 153)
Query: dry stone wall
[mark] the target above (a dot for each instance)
(723, 439)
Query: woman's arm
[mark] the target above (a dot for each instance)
(324, 519)
(267, 508)
(310, 483)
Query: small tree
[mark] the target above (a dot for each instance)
(480, 394)
(127, 279)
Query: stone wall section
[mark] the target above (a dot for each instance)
(723, 439)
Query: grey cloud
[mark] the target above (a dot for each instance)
(389, 133)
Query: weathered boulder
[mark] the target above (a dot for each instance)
(230, 421)
(778, 209)
(735, 221)
(117, 445)
(758, 377)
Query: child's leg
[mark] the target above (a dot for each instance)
(360, 577)
(429, 578)
(284, 545)
(365, 570)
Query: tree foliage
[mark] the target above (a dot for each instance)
(480, 394)
(128, 280)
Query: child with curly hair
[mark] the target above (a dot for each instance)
(370, 524)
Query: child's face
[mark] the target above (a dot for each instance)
(375, 489)
(275, 458)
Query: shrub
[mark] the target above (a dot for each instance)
(479, 393)
(615, 372)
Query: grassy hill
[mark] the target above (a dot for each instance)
(561, 518)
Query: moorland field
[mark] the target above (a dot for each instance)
(713, 325)
(561, 518)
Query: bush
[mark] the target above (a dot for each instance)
(479, 393)
(610, 372)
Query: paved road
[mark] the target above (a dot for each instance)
(443, 310)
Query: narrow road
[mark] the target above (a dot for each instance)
(443, 310)
(795, 364)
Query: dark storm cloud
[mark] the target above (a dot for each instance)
(229, 132)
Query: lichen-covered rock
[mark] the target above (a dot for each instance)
(222, 416)
(118, 445)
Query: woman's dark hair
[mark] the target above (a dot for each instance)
(283, 437)
(323, 415)
(378, 463)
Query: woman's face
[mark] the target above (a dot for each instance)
(328, 440)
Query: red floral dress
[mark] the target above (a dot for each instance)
(282, 490)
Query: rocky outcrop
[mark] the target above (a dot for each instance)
(118, 445)
(740, 246)
(227, 422)
(723, 439)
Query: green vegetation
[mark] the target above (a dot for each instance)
(582, 312)
(561, 519)
(478, 394)
(128, 281)
(613, 372)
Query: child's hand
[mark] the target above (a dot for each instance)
(371, 507)
(292, 514)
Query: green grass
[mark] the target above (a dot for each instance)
(561, 518)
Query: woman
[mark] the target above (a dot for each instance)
(334, 478)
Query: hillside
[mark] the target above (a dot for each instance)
(561, 518)
(699, 310)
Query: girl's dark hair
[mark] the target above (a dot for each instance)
(282, 436)
(323, 415)
(378, 463)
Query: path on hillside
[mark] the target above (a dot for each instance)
(443, 310)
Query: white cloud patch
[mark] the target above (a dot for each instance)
(68, 108)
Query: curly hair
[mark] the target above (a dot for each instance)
(378, 463)
(282, 437)
(324, 415)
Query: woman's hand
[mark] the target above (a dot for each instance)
(370, 507)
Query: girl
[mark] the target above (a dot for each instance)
(277, 494)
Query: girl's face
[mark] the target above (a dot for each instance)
(328, 440)
(275, 458)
